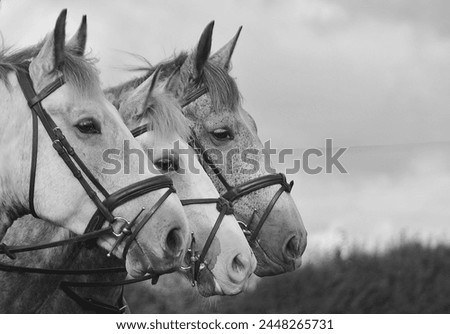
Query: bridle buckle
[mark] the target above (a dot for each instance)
(244, 228)
(125, 230)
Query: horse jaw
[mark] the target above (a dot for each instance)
(15, 133)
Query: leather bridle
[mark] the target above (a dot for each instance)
(223, 205)
(196, 262)
(233, 193)
(124, 230)
(225, 202)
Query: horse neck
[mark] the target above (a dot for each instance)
(86, 258)
(14, 137)
(15, 118)
(26, 293)
(31, 293)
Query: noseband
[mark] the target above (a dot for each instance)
(233, 193)
(118, 226)
(197, 262)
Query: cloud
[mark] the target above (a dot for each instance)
(389, 193)
(346, 70)
(362, 83)
(365, 73)
(431, 14)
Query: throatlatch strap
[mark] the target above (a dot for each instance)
(34, 148)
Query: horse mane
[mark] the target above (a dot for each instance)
(79, 71)
(222, 88)
(167, 115)
(116, 93)
(163, 112)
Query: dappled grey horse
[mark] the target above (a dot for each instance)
(220, 125)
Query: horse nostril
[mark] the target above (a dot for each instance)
(237, 264)
(174, 241)
(239, 268)
(293, 248)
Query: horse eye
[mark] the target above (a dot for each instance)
(88, 126)
(222, 134)
(166, 165)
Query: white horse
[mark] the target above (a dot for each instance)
(90, 124)
(230, 259)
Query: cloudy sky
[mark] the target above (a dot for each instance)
(373, 75)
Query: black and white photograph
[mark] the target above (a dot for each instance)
(271, 164)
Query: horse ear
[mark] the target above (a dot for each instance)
(59, 35)
(223, 56)
(137, 102)
(77, 43)
(174, 84)
(153, 80)
(51, 56)
(204, 48)
(193, 66)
